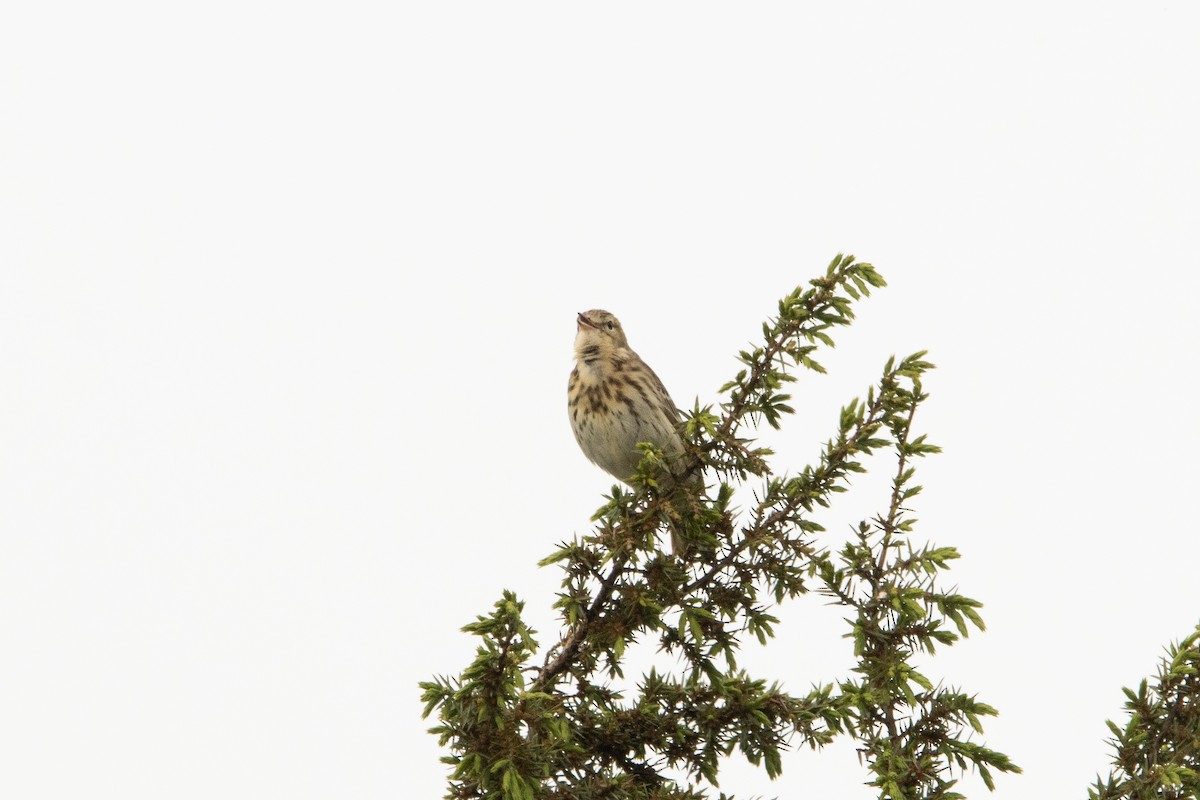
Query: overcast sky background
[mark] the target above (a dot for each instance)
(287, 298)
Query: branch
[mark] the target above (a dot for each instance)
(569, 646)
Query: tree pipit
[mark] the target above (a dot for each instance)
(615, 401)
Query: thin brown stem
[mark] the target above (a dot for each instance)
(889, 525)
(781, 513)
(773, 349)
(569, 646)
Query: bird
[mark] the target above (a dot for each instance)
(615, 401)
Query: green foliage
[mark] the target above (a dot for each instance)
(910, 729)
(568, 731)
(1157, 753)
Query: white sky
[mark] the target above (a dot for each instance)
(287, 297)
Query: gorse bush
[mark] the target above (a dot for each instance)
(520, 724)
(1157, 753)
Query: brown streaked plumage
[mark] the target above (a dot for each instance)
(615, 400)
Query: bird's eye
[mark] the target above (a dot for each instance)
(611, 326)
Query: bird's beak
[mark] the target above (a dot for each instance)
(583, 321)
